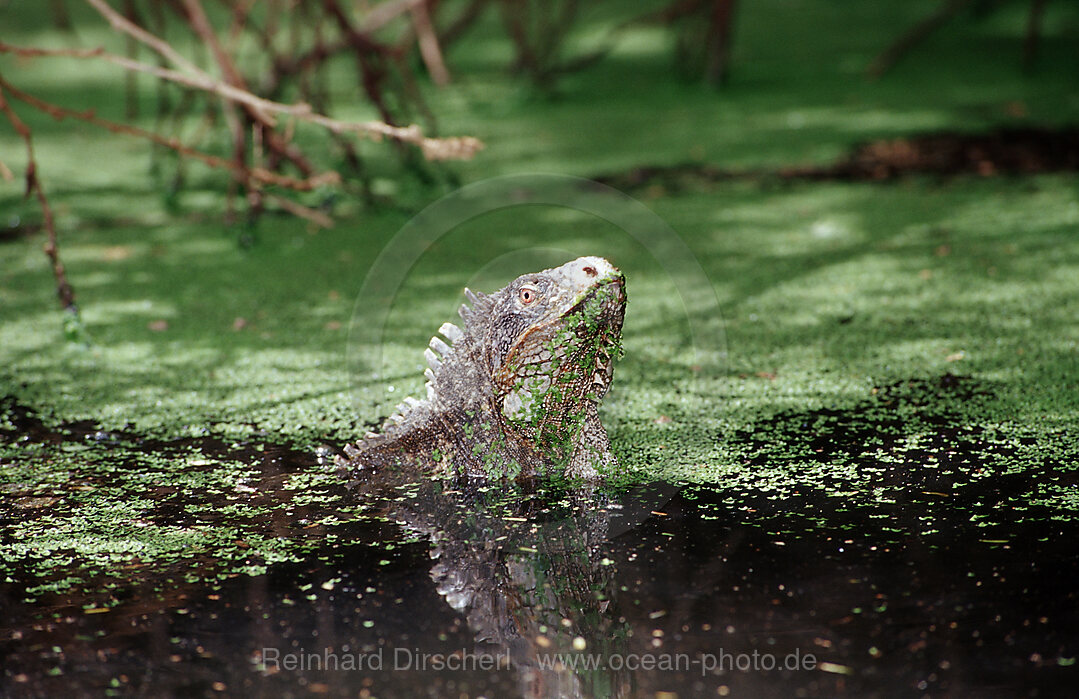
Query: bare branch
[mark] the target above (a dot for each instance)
(122, 24)
(1033, 33)
(261, 146)
(463, 22)
(383, 14)
(33, 185)
(305, 212)
(258, 174)
(460, 148)
(915, 35)
(201, 24)
(428, 41)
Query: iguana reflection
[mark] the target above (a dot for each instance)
(529, 573)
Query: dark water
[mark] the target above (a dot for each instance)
(449, 590)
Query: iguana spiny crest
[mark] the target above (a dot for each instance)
(515, 390)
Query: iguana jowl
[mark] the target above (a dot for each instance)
(515, 391)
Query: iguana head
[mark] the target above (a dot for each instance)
(550, 340)
(542, 348)
(530, 365)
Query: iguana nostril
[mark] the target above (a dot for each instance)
(590, 271)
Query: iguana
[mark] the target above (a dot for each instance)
(514, 392)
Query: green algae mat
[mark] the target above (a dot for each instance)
(856, 439)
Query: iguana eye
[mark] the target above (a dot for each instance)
(527, 295)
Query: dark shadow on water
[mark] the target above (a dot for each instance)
(1005, 151)
(453, 589)
(914, 438)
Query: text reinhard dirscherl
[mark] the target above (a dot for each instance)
(272, 660)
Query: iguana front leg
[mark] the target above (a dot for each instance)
(593, 448)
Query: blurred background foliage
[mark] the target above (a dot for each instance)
(430, 67)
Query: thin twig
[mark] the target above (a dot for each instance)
(381, 15)
(240, 14)
(514, 20)
(33, 185)
(460, 148)
(200, 23)
(428, 42)
(719, 41)
(370, 58)
(59, 15)
(305, 212)
(121, 24)
(462, 23)
(131, 96)
(1033, 33)
(259, 174)
(892, 55)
